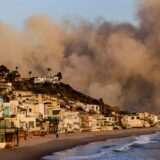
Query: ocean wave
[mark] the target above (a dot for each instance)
(139, 141)
(112, 150)
(108, 146)
(90, 157)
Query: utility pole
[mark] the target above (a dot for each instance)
(5, 130)
(17, 137)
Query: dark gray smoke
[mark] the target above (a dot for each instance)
(116, 62)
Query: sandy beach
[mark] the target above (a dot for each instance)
(37, 147)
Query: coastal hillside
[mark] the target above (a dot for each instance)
(62, 91)
(45, 85)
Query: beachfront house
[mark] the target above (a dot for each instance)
(99, 121)
(25, 118)
(110, 122)
(14, 120)
(103, 122)
(8, 134)
(132, 121)
(151, 119)
(29, 124)
(71, 122)
(93, 123)
(84, 119)
(55, 118)
(144, 115)
(20, 120)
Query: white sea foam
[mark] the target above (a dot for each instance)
(140, 140)
(95, 156)
(90, 157)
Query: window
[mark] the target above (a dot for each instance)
(31, 124)
(2, 138)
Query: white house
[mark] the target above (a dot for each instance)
(71, 122)
(132, 121)
(93, 123)
(54, 79)
(89, 107)
(39, 79)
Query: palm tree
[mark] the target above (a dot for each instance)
(17, 68)
(49, 71)
(30, 73)
(59, 74)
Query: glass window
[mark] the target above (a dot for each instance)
(31, 124)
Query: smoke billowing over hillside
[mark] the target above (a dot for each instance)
(118, 62)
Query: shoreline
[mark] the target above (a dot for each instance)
(38, 147)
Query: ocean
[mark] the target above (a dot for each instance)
(144, 147)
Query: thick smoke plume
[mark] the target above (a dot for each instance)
(116, 62)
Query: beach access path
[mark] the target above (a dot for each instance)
(37, 147)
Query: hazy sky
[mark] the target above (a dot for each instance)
(14, 12)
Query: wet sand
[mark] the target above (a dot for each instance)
(37, 147)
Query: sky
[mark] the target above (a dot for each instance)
(15, 12)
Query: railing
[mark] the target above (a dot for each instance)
(54, 119)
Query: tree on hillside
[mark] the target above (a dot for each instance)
(30, 73)
(102, 105)
(17, 68)
(49, 71)
(59, 74)
(4, 69)
(12, 76)
(3, 72)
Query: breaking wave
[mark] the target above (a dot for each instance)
(129, 148)
(85, 157)
(139, 142)
(90, 157)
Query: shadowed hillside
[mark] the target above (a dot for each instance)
(62, 91)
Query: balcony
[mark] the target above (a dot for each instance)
(54, 119)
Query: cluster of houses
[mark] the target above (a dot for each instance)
(29, 114)
(33, 112)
